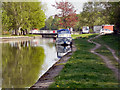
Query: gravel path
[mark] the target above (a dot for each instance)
(106, 60)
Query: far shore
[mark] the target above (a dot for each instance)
(17, 38)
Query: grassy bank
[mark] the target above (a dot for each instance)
(5, 35)
(82, 35)
(105, 52)
(112, 40)
(30, 35)
(84, 69)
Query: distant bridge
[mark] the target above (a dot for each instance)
(44, 33)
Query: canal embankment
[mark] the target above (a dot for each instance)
(112, 41)
(6, 39)
(109, 57)
(81, 68)
(85, 69)
(48, 78)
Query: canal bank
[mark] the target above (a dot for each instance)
(85, 69)
(48, 78)
(17, 38)
(82, 70)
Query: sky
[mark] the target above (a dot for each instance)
(51, 11)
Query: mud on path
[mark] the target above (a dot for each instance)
(48, 78)
(105, 59)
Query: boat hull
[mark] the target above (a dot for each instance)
(64, 40)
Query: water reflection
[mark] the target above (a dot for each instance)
(23, 62)
(63, 50)
(20, 44)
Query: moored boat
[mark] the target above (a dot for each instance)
(63, 37)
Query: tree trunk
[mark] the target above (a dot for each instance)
(26, 31)
(16, 32)
(23, 32)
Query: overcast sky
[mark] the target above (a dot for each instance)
(51, 11)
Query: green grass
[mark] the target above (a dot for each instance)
(112, 40)
(105, 52)
(85, 70)
(82, 35)
(30, 35)
(5, 35)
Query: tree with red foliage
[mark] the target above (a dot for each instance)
(67, 14)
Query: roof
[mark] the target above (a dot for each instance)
(63, 30)
(107, 25)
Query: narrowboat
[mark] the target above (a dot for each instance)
(64, 37)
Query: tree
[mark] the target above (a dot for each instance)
(55, 23)
(114, 13)
(99, 13)
(49, 23)
(52, 23)
(5, 21)
(94, 12)
(26, 15)
(67, 14)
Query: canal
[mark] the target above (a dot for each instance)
(24, 62)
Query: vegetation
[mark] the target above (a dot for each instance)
(32, 35)
(85, 70)
(94, 13)
(52, 23)
(105, 52)
(22, 16)
(49, 23)
(100, 13)
(82, 36)
(111, 40)
(114, 12)
(67, 14)
(67, 17)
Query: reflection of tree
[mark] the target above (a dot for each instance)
(20, 67)
(21, 44)
(50, 45)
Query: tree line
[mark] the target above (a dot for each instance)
(20, 17)
(66, 18)
(100, 13)
(94, 13)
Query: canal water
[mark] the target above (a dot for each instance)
(24, 62)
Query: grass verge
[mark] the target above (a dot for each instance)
(84, 69)
(5, 35)
(82, 35)
(112, 40)
(105, 52)
(30, 35)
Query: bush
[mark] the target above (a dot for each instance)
(5, 33)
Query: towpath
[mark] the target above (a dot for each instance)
(107, 61)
